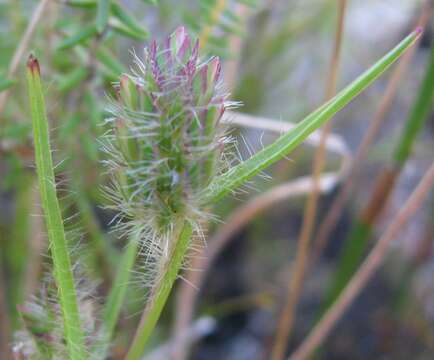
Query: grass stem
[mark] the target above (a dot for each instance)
(333, 214)
(116, 296)
(357, 241)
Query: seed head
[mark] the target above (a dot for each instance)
(166, 140)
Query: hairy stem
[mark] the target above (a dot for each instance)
(161, 291)
(56, 234)
(242, 173)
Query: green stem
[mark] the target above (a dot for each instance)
(418, 115)
(160, 293)
(56, 234)
(358, 239)
(352, 253)
(116, 297)
(240, 174)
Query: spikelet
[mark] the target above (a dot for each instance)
(165, 140)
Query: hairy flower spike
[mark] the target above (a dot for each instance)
(166, 140)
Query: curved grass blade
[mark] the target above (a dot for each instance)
(243, 172)
(56, 234)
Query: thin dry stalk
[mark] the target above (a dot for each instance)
(367, 269)
(287, 317)
(426, 246)
(331, 218)
(22, 47)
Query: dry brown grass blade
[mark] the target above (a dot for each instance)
(335, 211)
(287, 317)
(367, 269)
(22, 47)
(187, 294)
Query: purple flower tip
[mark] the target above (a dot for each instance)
(419, 30)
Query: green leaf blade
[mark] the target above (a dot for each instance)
(130, 24)
(102, 15)
(419, 114)
(78, 38)
(56, 233)
(243, 172)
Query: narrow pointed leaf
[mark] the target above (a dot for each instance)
(128, 21)
(85, 4)
(243, 172)
(56, 233)
(102, 15)
(78, 38)
(123, 30)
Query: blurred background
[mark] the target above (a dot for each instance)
(277, 57)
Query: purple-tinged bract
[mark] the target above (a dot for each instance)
(166, 140)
